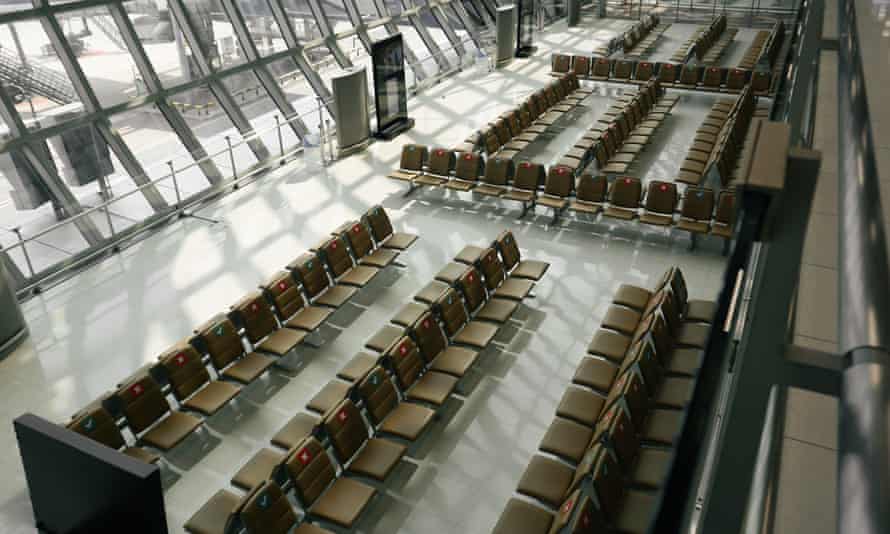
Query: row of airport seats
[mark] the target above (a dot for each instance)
(682, 54)
(366, 421)
(234, 349)
(623, 131)
(516, 128)
(766, 43)
(718, 142)
(608, 450)
(641, 37)
(669, 75)
(707, 43)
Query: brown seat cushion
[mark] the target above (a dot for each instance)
(336, 296)
(566, 439)
(581, 405)
(431, 292)
(476, 334)
(407, 420)
(377, 459)
(293, 432)
(399, 241)
(282, 341)
(309, 318)
(409, 314)
(359, 276)
(257, 470)
(620, 213)
(693, 335)
(329, 396)
(546, 479)
(521, 517)
(357, 367)
(469, 254)
(700, 310)
(384, 338)
(171, 430)
(514, 288)
(621, 319)
(249, 368)
(343, 502)
(610, 345)
(454, 361)
(497, 310)
(531, 269)
(490, 190)
(213, 516)
(433, 387)
(655, 219)
(309, 528)
(674, 392)
(381, 257)
(584, 207)
(553, 202)
(141, 454)
(651, 467)
(636, 512)
(212, 397)
(692, 226)
(632, 296)
(595, 373)
(451, 272)
(683, 361)
(662, 426)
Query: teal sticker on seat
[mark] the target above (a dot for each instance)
(88, 424)
(264, 501)
(700, 194)
(450, 300)
(375, 380)
(219, 330)
(309, 265)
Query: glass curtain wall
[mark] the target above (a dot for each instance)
(108, 100)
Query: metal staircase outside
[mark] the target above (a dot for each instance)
(34, 79)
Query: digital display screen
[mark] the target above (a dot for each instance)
(390, 94)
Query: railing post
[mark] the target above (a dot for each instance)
(18, 233)
(280, 139)
(175, 186)
(232, 161)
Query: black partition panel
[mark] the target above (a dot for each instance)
(390, 92)
(525, 31)
(80, 486)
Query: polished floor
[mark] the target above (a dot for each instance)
(92, 331)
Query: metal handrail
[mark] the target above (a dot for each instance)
(84, 255)
(864, 296)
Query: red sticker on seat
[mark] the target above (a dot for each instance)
(426, 323)
(585, 519)
(305, 456)
(664, 187)
(342, 416)
(713, 69)
(180, 359)
(355, 229)
(567, 507)
(334, 245)
(491, 257)
(403, 350)
(560, 170)
(282, 285)
(137, 389)
(627, 180)
(440, 152)
(470, 277)
(468, 157)
(526, 165)
(254, 307)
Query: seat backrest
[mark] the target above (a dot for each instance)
(589, 519)
(255, 315)
(470, 283)
(725, 213)
(491, 142)
(96, 423)
(346, 429)
(566, 511)
(359, 239)
(378, 220)
(529, 176)
(668, 72)
(581, 66)
(441, 161)
(608, 485)
(379, 394)
(451, 309)
(559, 89)
(498, 171)
(468, 166)
(629, 392)
(406, 362)
(602, 67)
(428, 335)
(643, 357)
(678, 286)
(266, 510)
(284, 293)
(608, 138)
(413, 157)
(698, 203)
(622, 437)
(761, 80)
(310, 470)
(626, 192)
(220, 339)
(661, 197)
(560, 180)
(492, 269)
(591, 188)
(502, 131)
(509, 249)
(336, 256)
(525, 117)
(142, 402)
(512, 118)
(737, 78)
(689, 75)
(184, 369)
(600, 151)
(560, 63)
(645, 70)
(624, 69)
(713, 77)
(310, 271)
